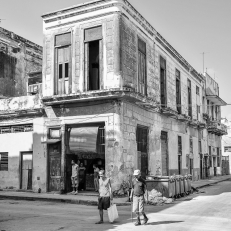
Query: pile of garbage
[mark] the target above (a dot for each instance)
(156, 198)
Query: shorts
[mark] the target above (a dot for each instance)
(138, 204)
(104, 203)
(75, 182)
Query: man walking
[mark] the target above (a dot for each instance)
(75, 177)
(105, 194)
(139, 195)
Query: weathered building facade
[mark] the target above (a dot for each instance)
(18, 57)
(116, 94)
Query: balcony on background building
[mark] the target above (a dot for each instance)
(217, 128)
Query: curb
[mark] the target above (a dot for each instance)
(69, 201)
(215, 182)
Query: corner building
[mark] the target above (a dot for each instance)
(118, 95)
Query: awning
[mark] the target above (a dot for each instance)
(83, 139)
(51, 141)
(216, 100)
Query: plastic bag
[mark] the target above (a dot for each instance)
(112, 213)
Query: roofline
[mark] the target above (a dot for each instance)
(183, 62)
(19, 38)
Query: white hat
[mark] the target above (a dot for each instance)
(136, 172)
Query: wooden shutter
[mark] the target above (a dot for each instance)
(101, 82)
(86, 66)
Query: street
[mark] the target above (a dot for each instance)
(208, 210)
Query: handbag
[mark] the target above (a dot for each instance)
(112, 213)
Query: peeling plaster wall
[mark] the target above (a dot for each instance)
(20, 103)
(39, 175)
(133, 116)
(18, 56)
(11, 178)
(111, 54)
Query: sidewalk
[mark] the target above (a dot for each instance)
(88, 198)
(203, 183)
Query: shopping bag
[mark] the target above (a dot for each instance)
(112, 213)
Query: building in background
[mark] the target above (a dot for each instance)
(18, 57)
(211, 160)
(226, 149)
(114, 93)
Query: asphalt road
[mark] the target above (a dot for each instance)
(207, 211)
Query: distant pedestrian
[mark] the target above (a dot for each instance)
(138, 196)
(96, 177)
(75, 177)
(82, 176)
(105, 194)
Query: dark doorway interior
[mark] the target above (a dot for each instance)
(94, 78)
(142, 144)
(164, 153)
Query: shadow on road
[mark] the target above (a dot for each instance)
(163, 222)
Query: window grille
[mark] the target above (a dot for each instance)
(4, 161)
(16, 128)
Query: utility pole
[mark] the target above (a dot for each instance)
(203, 54)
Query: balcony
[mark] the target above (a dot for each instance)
(217, 128)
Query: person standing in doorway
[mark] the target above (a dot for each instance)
(105, 194)
(75, 177)
(96, 177)
(82, 174)
(139, 195)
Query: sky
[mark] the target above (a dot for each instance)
(190, 26)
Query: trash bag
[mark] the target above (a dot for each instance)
(112, 213)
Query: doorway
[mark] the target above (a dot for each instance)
(26, 170)
(142, 150)
(164, 153)
(54, 167)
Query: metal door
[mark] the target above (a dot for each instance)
(164, 153)
(54, 167)
(26, 171)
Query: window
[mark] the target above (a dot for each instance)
(179, 145)
(93, 58)
(199, 147)
(2, 74)
(16, 128)
(163, 91)
(178, 92)
(142, 78)
(189, 99)
(63, 63)
(227, 149)
(197, 90)
(179, 155)
(212, 111)
(3, 161)
(208, 107)
(54, 133)
(210, 156)
(198, 112)
(191, 145)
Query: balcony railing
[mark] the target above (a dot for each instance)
(217, 128)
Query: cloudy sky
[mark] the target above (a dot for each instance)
(190, 26)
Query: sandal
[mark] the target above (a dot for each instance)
(99, 222)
